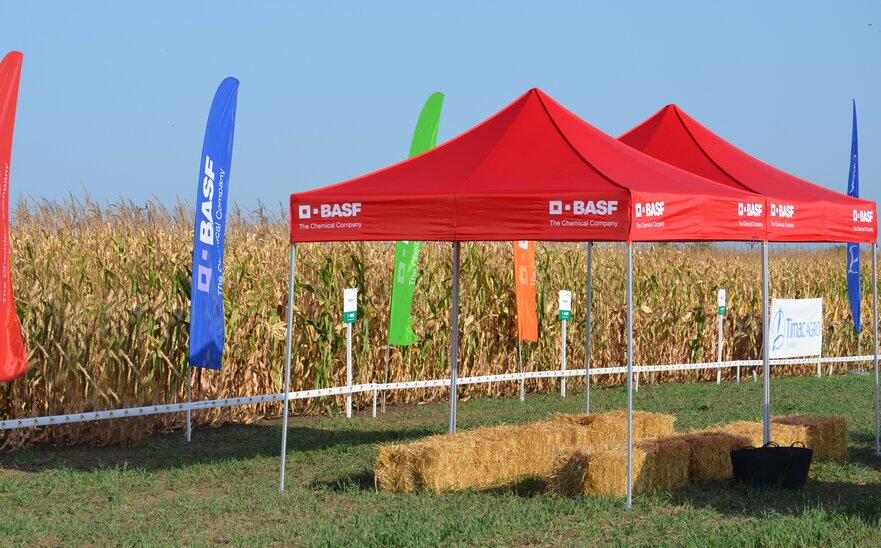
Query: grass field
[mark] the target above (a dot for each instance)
(222, 488)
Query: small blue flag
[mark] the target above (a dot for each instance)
(853, 250)
(206, 295)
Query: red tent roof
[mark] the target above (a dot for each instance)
(798, 211)
(532, 171)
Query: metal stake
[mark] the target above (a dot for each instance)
(563, 362)
(349, 369)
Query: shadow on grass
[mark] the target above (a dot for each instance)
(365, 481)
(526, 486)
(861, 449)
(843, 498)
(227, 442)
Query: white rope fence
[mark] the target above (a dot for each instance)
(13, 424)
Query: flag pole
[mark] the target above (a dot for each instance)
(454, 342)
(189, 400)
(388, 353)
(587, 328)
(287, 366)
(522, 380)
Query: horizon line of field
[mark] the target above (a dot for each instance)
(14, 424)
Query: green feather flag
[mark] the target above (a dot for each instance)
(400, 331)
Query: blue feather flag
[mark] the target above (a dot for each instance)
(853, 250)
(207, 334)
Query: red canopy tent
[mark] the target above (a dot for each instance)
(533, 171)
(799, 211)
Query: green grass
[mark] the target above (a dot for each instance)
(222, 488)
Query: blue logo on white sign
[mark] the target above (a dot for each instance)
(796, 328)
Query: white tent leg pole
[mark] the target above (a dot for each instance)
(563, 362)
(587, 328)
(374, 403)
(629, 502)
(454, 342)
(287, 367)
(388, 354)
(875, 346)
(766, 364)
(189, 400)
(522, 380)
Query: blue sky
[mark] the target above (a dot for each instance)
(114, 96)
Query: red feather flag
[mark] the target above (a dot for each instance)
(12, 355)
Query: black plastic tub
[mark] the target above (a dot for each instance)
(772, 466)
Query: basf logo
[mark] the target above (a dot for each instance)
(864, 217)
(787, 211)
(578, 207)
(752, 212)
(328, 212)
(749, 209)
(651, 211)
(781, 215)
(580, 212)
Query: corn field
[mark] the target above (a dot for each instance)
(103, 296)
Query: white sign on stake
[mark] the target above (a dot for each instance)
(796, 328)
(350, 305)
(720, 302)
(565, 305)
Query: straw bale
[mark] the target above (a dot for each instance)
(781, 434)
(827, 436)
(611, 427)
(395, 468)
(660, 464)
(488, 456)
(476, 458)
(666, 466)
(710, 454)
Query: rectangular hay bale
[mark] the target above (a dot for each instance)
(658, 464)
(477, 458)
(783, 435)
(827, 436)
(710, 454)
(489, 456)
(611, 427)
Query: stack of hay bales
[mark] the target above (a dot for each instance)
(657, 464)
(484, 457)
(587, 454)
(698, 456)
